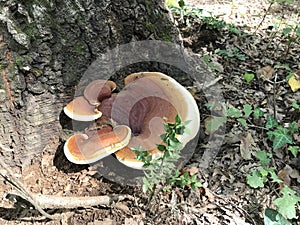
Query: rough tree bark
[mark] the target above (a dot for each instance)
(46, 45)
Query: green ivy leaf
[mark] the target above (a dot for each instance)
(287, 203)
(271, 122)
(263, 172)
(264, 158)
(295, 105)
(214, 123)
(206, 58)
(289, 76)
(293, 127)
(161, 148)
(286, 30)
(249, 77)
(243, 122)
(194, 185)
(294, 150)
(247, 109)
(274, 177)
(257, 112)
(272, 217)
(286, 67)
(255, 180)
(241, 57)
(281, 137)
(234, 112)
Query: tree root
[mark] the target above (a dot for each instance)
(41, 202)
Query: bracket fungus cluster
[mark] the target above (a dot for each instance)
(133, 117)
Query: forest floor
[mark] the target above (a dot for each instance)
(247, 47)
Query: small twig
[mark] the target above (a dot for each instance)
(274, 95)
(259, 127)
(277, 82)
(265, 15)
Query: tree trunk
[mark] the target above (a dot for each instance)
(46, 46)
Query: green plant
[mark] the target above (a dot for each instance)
(187, 13)
(163, 170)
(249, 77)
(294, 150)
(272, 217)
(295, 105)
(288, 203)
(235, 53)
(242, 116)
(286, 68)
(260, 176)
(257, 113)
(279, 135)
(292, 34)
(271, 3)
(184, 180)
(213, 66)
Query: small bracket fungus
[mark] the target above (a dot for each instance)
(99, 90)
(84, 108)
(148, 100)
(84, 149)
(80, 109)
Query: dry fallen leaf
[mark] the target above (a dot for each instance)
(294, 82)
(297, 75)
(287, 173)
(191, 170)
(207, 193)
(245, 146)
(284, 175)
(266, 72)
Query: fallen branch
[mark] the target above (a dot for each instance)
(41, 202)
(72, 202)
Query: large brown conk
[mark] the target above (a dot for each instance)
(133, 117)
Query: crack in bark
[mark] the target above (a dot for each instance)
(5, 79)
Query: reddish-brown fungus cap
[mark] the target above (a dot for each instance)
(106, 106)
(80, 109)
(143, 104)
(84, 149)
(98, 90)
